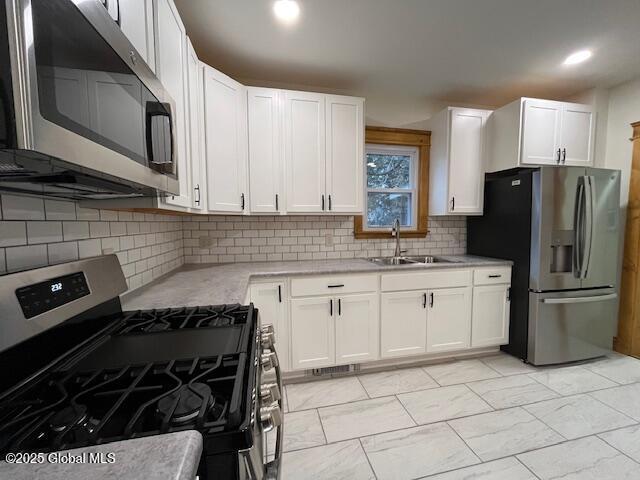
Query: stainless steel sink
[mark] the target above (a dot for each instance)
(424, 259)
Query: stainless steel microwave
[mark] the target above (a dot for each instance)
(82, 115)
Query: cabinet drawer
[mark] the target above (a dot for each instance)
(492, 276)
(426, 280)
(329, 285)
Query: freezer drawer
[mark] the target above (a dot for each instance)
(571, 325)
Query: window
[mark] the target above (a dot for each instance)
(391, 186)
(396, 183)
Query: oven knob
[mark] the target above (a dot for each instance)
(269, 393)
(269, 360)
(267, 329)
(267, 340)
(270, 417)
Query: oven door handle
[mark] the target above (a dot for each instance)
(273, 468)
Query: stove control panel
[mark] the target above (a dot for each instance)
(41, 297)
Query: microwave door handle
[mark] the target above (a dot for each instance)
(588, 226)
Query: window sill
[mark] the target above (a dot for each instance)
(361, 234)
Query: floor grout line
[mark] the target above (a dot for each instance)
(525, 466)
(617, 449)
(367, 457)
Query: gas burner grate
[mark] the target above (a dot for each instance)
(67, 410)
(146, 321)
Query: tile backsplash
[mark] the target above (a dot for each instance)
(36, 232)
(213, 239)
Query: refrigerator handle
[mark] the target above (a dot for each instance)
(595, 298)
(577, 229)
(588, 225)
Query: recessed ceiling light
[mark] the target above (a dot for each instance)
(286, 10)
(578, 57)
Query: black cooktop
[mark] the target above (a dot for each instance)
(158, 371)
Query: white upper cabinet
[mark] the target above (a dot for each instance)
(225, 104)
(344, 153)
(265, 150)
(541, 132)
(304, 137)
(196, 129)
(531, 132)
(171, 68)
(457, 163)
(576, 137)
(136, 22)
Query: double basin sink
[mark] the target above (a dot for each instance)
(415, 260)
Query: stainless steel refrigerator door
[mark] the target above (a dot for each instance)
(602, 225)
(572, 325)
(555, 197)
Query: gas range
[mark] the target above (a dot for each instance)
(92, 374)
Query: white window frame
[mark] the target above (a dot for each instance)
(380, 149)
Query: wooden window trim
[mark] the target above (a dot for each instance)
(402, 137)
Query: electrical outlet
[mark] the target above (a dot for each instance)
(205, 242)
(328, 240)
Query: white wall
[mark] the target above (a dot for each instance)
(624, 109)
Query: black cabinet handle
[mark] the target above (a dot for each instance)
(564, 155)
(453, 203)
(323, 202)
(277, 208)
(279, 294)
(424, 300)
(558, 159)
(331, 307)
(242, 200)
(509, 294)
(329, 202)
(495, 276)
(431, 300)
(339, 306)
(336, 286)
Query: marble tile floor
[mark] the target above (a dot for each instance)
(489, 418)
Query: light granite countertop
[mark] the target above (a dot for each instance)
(210, 284)
(173, 456)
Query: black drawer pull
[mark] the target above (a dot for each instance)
(335, 286)
(495, 276)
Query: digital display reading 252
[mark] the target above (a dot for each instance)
(44, 296)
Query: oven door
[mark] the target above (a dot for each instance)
(82, 94)
(571, 325)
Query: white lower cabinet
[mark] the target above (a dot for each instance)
(357, 329)
(403, 324)
(313, 343)
(271, 302)
(449, 319)
(490, 320)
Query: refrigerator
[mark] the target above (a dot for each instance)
(560, 226)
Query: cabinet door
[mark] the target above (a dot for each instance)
(345, 153)
(171, 66)
(357, 328)
(136, 22)
(490, 320)
(312, 333)
(226, 141)
(540, 132)
(449, 319)
(304, 134)
(403, 325)
(271, 301)
(196, 130)
(265, 153)
(466, 160)
(576, 139)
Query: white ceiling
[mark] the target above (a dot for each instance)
(482, 52)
